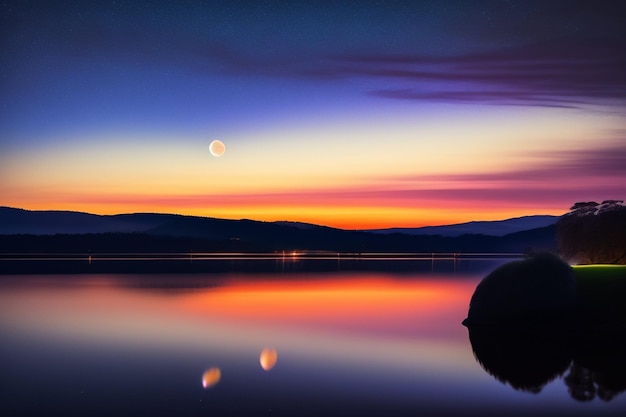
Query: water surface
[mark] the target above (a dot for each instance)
(283, 343)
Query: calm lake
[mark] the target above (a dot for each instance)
(295, 341)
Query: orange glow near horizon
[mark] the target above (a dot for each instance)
(431, 172)
(363, 210)
(349, 218)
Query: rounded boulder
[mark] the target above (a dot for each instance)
(536, 290)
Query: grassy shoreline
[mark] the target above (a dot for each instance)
(601, 293)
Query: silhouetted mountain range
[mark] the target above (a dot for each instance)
(490, 228)
(23, 231)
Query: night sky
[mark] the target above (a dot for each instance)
(351, 114)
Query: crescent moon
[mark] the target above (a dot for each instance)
(217, 148)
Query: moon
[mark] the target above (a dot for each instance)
(268, 358)
(217, 148)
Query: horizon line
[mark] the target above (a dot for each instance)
(278, 221)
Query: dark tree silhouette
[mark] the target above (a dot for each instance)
(580, 384)
(593, 233)
(599, 374)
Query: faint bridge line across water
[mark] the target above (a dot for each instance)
(244, 256)
(288, 261)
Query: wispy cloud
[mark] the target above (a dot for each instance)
(561, 73)
(533, 68)
(575, 166)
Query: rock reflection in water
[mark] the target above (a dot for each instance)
(594, 364)
(525, 360)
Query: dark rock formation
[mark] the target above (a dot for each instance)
(538, 290)
(531, 321)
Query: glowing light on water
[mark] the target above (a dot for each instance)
(211, 377)
(268, 358)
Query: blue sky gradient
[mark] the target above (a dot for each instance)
(474, 90)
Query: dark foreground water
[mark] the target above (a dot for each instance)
(288, 343)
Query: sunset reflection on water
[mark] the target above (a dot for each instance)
(371, 304)
(364, 342)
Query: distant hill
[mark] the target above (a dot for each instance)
(16, 221)
(50, 222)
(489, 228)
(59, 232)
(19, 221)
